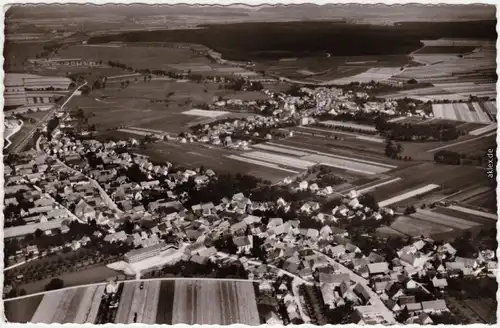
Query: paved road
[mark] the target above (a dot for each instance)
(51, 112)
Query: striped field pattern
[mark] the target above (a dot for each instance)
(214, 302)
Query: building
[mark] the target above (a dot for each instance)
(51, 62)
(137, 255)
(29, 89)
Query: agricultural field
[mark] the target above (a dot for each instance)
(327, 70)
(137, 56)
(445, 49)
(470, 144)
(409, 194)
(214, 302)
(468, 112)
(187, 301)
(94, 274)
(450, 178)
(414, 227)
(321, 141)
(219, 159)
(21, 310)
(144, 302)
(373, 74)
(158, 104)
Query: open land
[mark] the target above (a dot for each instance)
(93, 275)
(157, 105)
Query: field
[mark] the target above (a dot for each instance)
(137, 56)
(467, 112)
(214, 302)
(450, 178)
(93, 275)
(144, 302)
(158, 104)
(22, 310)
(414, 227)
(216, 158)
(328, 70)
(187, 301)
(445, 49)
(408, 194)
(470, 144)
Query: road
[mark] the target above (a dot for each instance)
(127, 281)
(374, 298)
(51, 112)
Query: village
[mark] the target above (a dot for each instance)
(152, 210)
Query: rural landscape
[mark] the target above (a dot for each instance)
(284, 164)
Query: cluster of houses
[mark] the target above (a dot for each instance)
(323, 257)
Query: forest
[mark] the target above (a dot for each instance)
(259, 41)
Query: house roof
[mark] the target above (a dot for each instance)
(436, 305)
(380, 267)
(333, 278)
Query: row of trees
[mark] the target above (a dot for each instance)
(417, 132)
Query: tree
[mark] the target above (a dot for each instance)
(55, 283)
(369, 201)
(85, 90)
(403, 315)
(38, 233)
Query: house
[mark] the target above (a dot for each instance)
(84, 211)
(303, 185)
(337, 251)
(378, 268)
(363, 292)
(352, 248)
(272, 318)
(423, 319)
(334, 279)
(413, 308)
(238, 228)
(244, 243)
(436, 306)
(439, 283)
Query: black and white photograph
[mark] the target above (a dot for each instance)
(255, 164)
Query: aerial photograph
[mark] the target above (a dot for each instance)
(268, 164)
